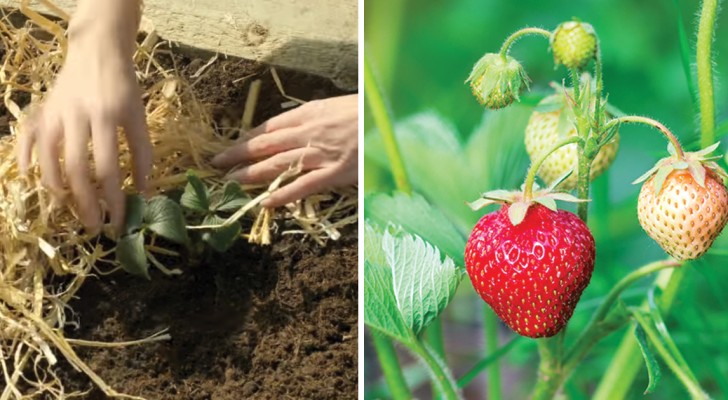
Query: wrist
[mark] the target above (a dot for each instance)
(111, 24)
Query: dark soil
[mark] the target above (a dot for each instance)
(271, 322)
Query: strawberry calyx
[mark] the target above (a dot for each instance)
(519, 201)
(698, 164)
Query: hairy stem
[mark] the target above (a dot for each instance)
(705, 71)
(533, 169)
(383, 121)
(627, 360)
(440, 374)
(520, 33)
(390, 367)
(655, 124)
(586, 339)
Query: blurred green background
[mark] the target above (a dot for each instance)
(422, 52)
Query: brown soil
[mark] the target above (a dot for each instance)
(259, 322)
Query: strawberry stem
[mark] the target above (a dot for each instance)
(518, 34)
(533, 169)
(705, 71)
(655, 124)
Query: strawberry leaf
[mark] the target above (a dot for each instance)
(660, 177)
(517, 212)
(164, 217)
(423, 282)
(653, 367)
(134, 218)
(196, 195)
(232, 198)
(221, 239)
(131, 255)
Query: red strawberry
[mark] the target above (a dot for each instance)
(533, 273)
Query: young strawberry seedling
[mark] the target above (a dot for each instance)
(162, 217)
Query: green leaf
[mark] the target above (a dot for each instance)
(380, 306)
(220, 239)
(517, 212)
(415, 215)
(231, 199)
(197, 195)
(164, 217)
(423, 283)
(373, 250)
(448, 173)
(134, 218)
(656, 316)
(653, 367)
(131, 255)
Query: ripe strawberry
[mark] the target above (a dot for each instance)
(683, 205)
(574, 44)
(496, 81)
(546, 128)
(531, 273)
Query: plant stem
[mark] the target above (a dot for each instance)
(533, 169)
(691, 385)
(655, 124)
(550, 376)
(390, 367)
(484, 363)
(576, 84)
(434, 338)
(383, 121)
(490, 322)
(440, 374)
(705, 71)
(518, 34)
(627, 360)
(588, 337)
(600, 87)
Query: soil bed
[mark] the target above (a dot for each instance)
(270, 322)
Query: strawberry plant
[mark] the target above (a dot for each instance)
(529, 260)
(199, 218)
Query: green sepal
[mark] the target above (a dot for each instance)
(517, 212)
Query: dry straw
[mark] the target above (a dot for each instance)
(44, 259)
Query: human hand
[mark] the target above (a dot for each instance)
(322, 134)
(94, 93)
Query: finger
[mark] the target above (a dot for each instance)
(106, 157)
(48, 142)
(288, 119)
(313, 182)
(137, 135)
(76, 133)
(25, 143)
(259, 147)
(270, 168)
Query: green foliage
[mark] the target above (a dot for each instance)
(653, 368)
(165, 218)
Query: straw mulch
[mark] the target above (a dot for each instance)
(44, 259)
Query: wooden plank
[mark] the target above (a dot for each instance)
(316, 36)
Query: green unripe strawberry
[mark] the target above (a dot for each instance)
(574, 44)
(548, 127)
(496, 81)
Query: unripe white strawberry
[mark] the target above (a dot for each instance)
(548, 127)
